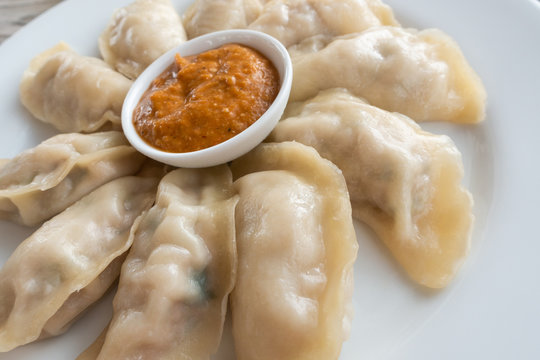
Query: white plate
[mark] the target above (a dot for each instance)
(492, 309)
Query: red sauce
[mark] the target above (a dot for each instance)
(202, 100)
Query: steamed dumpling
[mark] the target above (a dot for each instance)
(421, 74)
(41, 182)
(174, 287)
(69, 262)
(291, 21)
(296, 249)
(403, 182)
(73, 93)
(139, 33)
(206, 16)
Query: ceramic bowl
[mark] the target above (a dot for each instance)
(240, 143)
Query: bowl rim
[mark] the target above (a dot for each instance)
(239, 144)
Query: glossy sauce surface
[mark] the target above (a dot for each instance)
(203, 100)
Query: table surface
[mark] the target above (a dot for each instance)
(14, 14)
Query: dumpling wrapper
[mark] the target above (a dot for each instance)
(296, 249)
(42, 181)
(69, 262)
(139, 33)
(73, 93)
(206, 16)
(174, 287)
(291, 21)
(405, 183)
(421, 74)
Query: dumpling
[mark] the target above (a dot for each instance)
(206, 16)
(291, 21)
(174, 287)
(421, 74)
(139, 33)
(42, 181)
(296, 248)
(69, 262)
(73, 93)
(403, 182)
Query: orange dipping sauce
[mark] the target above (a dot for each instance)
(203, 100)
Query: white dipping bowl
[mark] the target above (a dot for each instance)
(240, 143)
